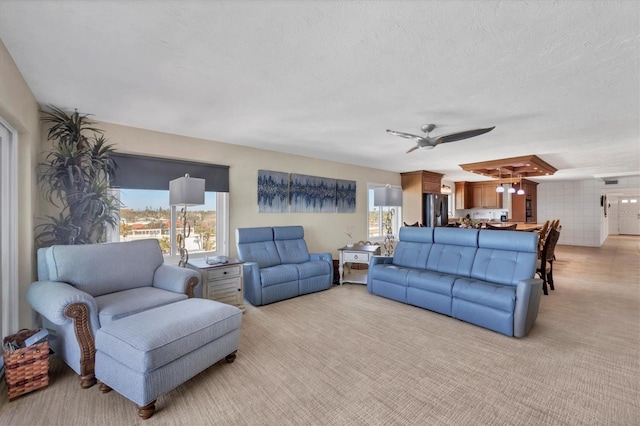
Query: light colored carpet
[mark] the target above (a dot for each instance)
(345, 357)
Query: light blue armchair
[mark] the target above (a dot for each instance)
(82, 288)
(279, 266)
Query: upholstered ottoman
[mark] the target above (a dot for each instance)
(146, 354)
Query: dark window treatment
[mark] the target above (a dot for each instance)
(141, 172)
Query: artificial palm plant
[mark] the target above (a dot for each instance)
(75, 178)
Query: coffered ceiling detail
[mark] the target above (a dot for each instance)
(525, 166)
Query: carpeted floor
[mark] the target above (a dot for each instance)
(345, 357)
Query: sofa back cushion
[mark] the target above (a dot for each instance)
(103, 268)
(453, 250)
(413, 248)
(505, 257)
(290, 244)
(257, 245)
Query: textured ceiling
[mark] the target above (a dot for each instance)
(326, 79)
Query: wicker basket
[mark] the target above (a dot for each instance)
(26, 369)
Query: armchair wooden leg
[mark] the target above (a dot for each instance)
(103, 387)
(231, 357)
(147, 411)
(87, 381)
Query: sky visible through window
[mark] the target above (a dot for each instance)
(141, 199)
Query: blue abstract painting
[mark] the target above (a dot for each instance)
(312, 194)
(345, 196)
(273, 192)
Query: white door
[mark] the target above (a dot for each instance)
(8, 232)
(629, 215)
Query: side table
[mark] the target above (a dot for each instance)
(222, 282)
(355, 254)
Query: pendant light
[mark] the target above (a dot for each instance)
(512, 190)
(499, 188)
(520, 190)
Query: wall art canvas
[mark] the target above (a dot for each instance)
(312, 194)
(345, 196)
(273, 192)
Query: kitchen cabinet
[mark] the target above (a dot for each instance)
(463, 195)
(414, 185)
(480, 195)
(524, 207)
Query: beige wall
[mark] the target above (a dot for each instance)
(19, 108)
(324, 232)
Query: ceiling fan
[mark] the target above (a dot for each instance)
(429, 142)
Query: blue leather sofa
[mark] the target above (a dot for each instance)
(484, 277)
(278, 264)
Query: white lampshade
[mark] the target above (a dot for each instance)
(186, 191)
(520, 191)
(511, 190)
(499, 188)
(387, 196)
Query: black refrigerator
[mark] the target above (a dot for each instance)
(435, 210)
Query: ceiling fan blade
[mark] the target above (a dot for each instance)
(453, 137)
(413, 149)
(406, 135)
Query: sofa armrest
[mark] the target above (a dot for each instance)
(527, 303)
(61, 303)
(322, 256)
(51, 299)
(252, 284)
(327, 258)
(176, 279)
(376, 260)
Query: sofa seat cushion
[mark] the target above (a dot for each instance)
(278, 274)
(153, 338)
(313, 268)
(390, 273)
(435, 282)
(502, 297)
(113, 306)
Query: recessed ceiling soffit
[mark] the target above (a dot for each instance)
(526, 166)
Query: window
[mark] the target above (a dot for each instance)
(376, 217)
(145, 213)
(142, 185)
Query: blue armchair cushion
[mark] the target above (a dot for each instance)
(98, 269)
(290, 244)
(114, 306)
(487, 294)
(278, 274)
(257, 245)
(505, 258)
(436, 282)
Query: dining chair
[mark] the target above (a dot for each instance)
(544, 267)
(542, 233)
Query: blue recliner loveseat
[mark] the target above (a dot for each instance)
(484, 277)
(279, 266)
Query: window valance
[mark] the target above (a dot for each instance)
(142, 172)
